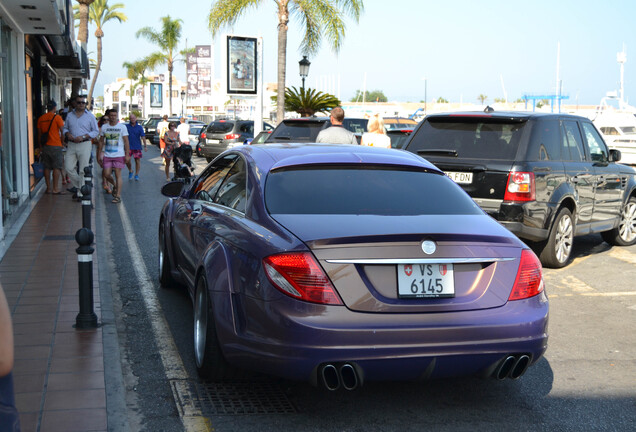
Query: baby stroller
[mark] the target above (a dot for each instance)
(182, 162)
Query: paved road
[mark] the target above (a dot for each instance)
(587, 380)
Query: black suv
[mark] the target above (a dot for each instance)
(221, 135)
(546, 177)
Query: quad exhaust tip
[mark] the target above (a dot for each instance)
(513, 366)
(334, 376)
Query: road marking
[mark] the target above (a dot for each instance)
(191, 417)
(623, 255)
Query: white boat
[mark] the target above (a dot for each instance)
(619, 132)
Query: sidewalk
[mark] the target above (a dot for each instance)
(65, 379)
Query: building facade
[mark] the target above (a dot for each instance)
(39, 58)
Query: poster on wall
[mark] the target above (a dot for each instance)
(199, 71)
(241, 65)
(156, 95)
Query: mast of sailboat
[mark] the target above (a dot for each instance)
(621, 58)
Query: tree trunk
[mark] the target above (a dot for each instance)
(170, 67)
(283, 19)
(82, 36)
(89, 98)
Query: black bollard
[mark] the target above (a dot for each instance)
(86, 317)
(86, 206)
(88, 175)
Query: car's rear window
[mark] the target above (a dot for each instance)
(305, 131)
(366, 190)
(468, 138)
(220, 127)
(195, 130)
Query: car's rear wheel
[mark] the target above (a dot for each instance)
(207, 352)
(625, 233)
(165, 278)
(558, 248)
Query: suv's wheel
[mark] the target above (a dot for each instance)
(207, 352)
(165, 278)
(625, 233)
(558, 248)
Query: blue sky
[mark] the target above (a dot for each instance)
(458, 48)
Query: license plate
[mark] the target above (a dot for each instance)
(425, 280)
(211, 141)
(461, 177)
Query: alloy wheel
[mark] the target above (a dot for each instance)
(627, 226)
(564, 238)
(200, 324)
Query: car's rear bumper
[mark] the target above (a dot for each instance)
(527, 220)
(294, 342)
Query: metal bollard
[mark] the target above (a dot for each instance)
(86, 206)
(88, 175)
(86, 317)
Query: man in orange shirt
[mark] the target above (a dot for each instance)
(51, 154)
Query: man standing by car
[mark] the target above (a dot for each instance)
(336, 134)
(80, 127)
(184, 131)
(136, 136)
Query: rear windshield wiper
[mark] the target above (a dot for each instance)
(440, 152)
(284, 138)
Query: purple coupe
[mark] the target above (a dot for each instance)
(340, 264)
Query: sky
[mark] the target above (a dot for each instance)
(416, 49)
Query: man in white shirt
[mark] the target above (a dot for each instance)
(114, 152)
(184, 132)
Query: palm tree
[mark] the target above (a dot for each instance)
(308, 102)
(167, 39)
(99, 13)
(319, 17)
(137, 71)
(482, 98)
(82, 35)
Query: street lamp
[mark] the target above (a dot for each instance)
(183, 95)
(303, 67)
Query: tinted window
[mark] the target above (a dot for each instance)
(247, 128)
(296, 130)
(471, 138)
(208, 183)
(220, 127)
(195, 130)
(357, 126)
(598, 151)
(545, 143)
(364, 191)
(233, 192)
(572, 142)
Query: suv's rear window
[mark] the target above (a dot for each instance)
(305, 131)
(220, 127)
(468, 138)
(364, 191)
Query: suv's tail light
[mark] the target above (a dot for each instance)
(203, 135)
(529, 281)
(232, 136)
(299, 275)
(520, 187)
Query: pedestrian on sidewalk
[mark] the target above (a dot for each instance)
(336, 133)
(184, 131)
(135, 137)
(171, 137)
(51, 154)
(162, 128)
(80, 127)
(102, 120)
(114, 152)
(9, 418)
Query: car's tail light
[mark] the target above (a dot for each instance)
(520, 187)
(299, 275)
(529, 281)
(203, 135)
(232, 136)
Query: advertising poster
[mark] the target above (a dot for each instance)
(156, 95)
(241, 65)
(199, 71)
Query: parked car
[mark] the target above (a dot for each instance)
(399, 123)
(298, 130)
(296, 270)
(546, 177)
(150, 128)
(195, 135)
(260, 138)
(223, 134)
(399, 136)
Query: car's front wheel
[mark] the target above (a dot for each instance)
(557, 250)
(207, 352)
(165, 278)
(625, 233)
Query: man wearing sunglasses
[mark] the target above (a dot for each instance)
(80, 127)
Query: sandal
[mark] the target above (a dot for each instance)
(114, 191)
(108, 188)
(116, 199)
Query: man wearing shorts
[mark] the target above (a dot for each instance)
(51, 154)
(135, 136)
(114, 152)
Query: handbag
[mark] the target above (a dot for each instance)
(44, 138)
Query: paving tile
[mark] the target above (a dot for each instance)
(75, 381)
(34, 339)
(77, 364)
(31, 328)
(54, 298)
(29, 383)
(74, 399)
(30, 366)
(74, 421)
(31, 352)
(28, 402)
(29, 421)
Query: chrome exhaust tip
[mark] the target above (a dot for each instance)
(520, 367)
(348, 377)
(505, 367)
(330, 377)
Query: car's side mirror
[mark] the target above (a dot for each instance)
(614, 155)
(172, 189)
